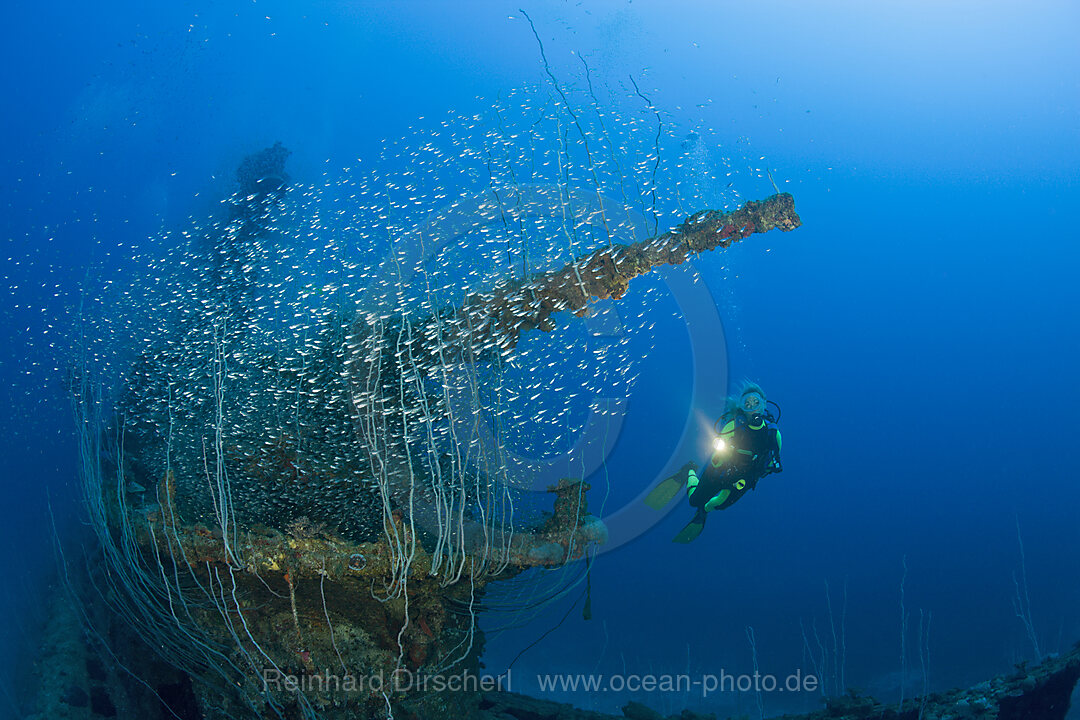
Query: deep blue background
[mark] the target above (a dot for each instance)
(920, 330)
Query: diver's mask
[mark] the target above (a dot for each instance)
(753, 406)
(753, 403)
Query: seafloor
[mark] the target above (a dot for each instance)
(76, 678)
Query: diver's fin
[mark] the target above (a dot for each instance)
(691, 531)
(666, 491)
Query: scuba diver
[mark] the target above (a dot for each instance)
(746, 449)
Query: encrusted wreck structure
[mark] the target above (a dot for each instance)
(294, 495)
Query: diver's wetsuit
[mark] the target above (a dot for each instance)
(750, 453)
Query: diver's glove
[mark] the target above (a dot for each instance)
(774, 466)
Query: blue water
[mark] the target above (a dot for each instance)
(920, 330)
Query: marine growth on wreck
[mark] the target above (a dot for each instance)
(324, 438)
